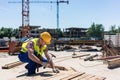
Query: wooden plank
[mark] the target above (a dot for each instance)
(77, 56)
(61, 75)
(59, 67)
(73, 76)
(90, 57)
(114, 63)
(87, 77)
(73, 69)
(109, 57)
(57, 77)
(80, 77)
(97, 78)
(11, 65)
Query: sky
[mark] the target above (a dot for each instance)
(78, 13)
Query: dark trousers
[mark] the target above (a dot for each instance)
(23, 57)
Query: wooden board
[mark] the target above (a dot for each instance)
(73, 76)
(97, 78)
(59, 67)
(80, 77)
(113, 63)
(77, 56)
(11, 65)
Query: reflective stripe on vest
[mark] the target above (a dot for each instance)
(40, 51)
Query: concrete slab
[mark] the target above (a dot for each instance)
(64, 58)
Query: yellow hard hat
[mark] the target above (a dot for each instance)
(46, 37)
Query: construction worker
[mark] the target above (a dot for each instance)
(32, 51)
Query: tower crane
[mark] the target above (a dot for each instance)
(25, 13)
(25, 18)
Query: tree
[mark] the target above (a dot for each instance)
(118, 30)
(96, 31)
(9, 32)
(113, 29)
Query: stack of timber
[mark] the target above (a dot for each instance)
(111, 55)
(109, 49)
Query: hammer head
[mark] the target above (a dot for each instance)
(53, 55)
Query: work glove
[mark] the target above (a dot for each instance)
(44, 64)
(55, 70)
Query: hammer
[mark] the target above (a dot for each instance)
(53, 55)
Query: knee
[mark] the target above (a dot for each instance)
(23, 57)
(44, 60)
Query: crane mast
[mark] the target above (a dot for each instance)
(25, 18)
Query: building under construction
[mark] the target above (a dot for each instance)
(72, 56)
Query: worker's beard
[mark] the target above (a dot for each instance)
(39, 43)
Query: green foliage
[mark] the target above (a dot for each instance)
(9, 32)
(96, 31)
(59, 32)
(113, 30)
(118, 30)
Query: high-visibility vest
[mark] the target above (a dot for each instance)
(39, 50)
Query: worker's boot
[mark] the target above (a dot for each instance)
(31, 71)
(26, 66)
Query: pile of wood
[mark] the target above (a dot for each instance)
(72, 75)
(82, 76)
(111, 55)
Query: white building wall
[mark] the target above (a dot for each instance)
(113, 38)
(118, 39)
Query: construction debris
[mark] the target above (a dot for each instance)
(109, 50)
(76, 56)
(107, 58)
(82, 76)
(90, 57)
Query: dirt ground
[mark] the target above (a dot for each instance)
(63, 58)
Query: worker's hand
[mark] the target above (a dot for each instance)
(44, 64)
(55, 70)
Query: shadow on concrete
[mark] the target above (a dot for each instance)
(44, 74)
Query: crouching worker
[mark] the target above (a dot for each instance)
(32, 52)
